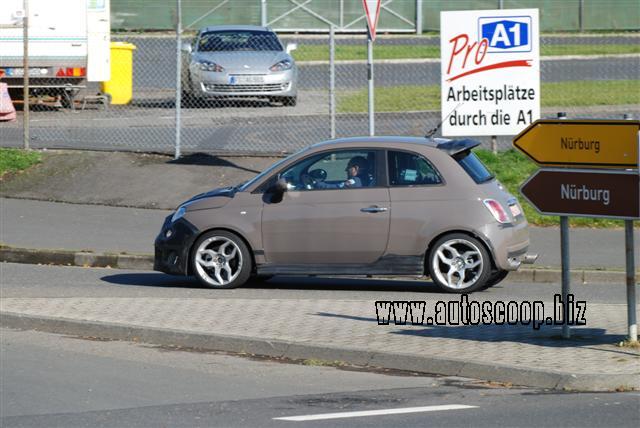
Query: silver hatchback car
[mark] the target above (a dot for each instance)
(239, 61)
(355, 206)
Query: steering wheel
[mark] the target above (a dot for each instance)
(307, 180)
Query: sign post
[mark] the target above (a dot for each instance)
(609, 188)
(372, 12)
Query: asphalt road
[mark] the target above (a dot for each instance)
(240, 128)
(154, 68)
(63, 381)
(20, 280)
(102, 228)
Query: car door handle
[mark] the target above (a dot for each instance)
(373, 209)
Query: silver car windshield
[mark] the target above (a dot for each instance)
(233, 40)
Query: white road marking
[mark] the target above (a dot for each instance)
(382, 412)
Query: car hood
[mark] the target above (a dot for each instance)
(215, 198)
(244, 62)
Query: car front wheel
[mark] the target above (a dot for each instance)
(221, 259)
(459, 263)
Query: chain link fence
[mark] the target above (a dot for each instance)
(240, 94)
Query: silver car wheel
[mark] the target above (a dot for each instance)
(458, 263)
(218, 260)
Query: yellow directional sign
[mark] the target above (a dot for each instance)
(581, 143)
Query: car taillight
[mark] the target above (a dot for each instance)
(72, 72)
(497, 210)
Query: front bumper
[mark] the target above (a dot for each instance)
(172, 246)
(210, 84)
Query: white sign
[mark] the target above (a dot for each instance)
(372, 11)
(490, 71)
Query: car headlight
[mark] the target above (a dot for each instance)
(283, 65)
(178, 214)
(210, 66)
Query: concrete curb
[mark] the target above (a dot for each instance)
(76, 258)
(145, 262)
(302, 351)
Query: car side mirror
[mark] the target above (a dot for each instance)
(280, 186)
(275, 192)
(291, 47)
(186, 47)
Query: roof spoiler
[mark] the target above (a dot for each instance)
(453, 147)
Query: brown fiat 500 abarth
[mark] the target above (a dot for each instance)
(354, 206)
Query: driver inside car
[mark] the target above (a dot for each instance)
(355, 169)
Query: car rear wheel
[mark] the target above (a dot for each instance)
(496, 277)
(221, 259)
(459, 263)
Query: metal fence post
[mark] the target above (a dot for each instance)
(263, 13)
(372, 124)
(178, 76)
(418, 16)
(25, 75)
(332, 80)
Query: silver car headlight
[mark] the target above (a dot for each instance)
(210, 66)
(283, 65)
(178, 214)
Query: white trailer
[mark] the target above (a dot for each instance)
(68, 45)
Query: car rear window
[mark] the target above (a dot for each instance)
(473, 166)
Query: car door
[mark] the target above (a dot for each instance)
(327, 224)
(419, 201)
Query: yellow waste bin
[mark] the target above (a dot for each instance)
(120, 86)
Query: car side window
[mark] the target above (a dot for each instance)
(411, 169)
(339, 169)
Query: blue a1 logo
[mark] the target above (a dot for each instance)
(506, 33)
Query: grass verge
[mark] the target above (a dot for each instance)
(359, 52)
(570, 94)
(14, 160)
(512, 168)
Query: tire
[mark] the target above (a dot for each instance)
(289, 101)
(261, 278)
(454, 273)
(220, 259)
(186, 99)
(496, 277)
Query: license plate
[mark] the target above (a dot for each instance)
(244, 80)
(19, 72)
(515, 210)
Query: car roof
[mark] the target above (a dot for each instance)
(450, 146)
(235, 27)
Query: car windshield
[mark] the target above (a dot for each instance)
(266, 172)
(233, 40)
(473, 166)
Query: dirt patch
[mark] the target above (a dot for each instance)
(128, 179)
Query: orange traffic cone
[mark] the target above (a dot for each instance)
(7, 111)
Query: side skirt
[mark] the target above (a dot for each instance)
(387, 265)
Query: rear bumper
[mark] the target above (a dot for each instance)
(172, 247)
(510, 244)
